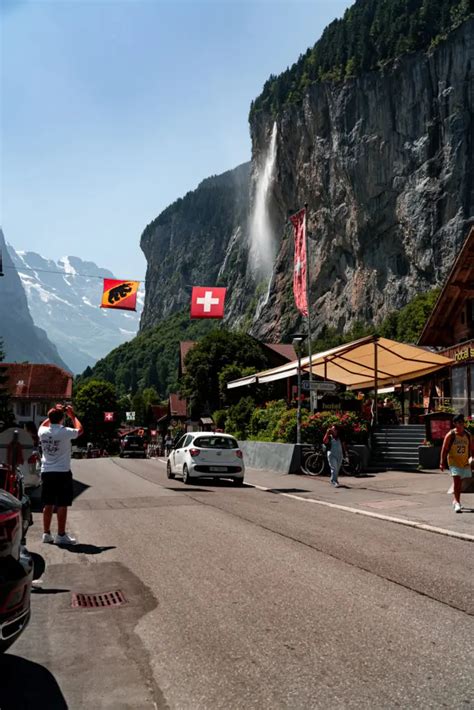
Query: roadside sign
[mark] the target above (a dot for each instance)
(318, 386)
(130, 416)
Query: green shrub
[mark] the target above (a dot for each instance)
(238, 418)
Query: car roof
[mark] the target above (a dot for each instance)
(212, 433)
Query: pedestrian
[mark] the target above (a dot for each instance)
(458, 448)
(335, 448)
(168, 443)
(57, 491)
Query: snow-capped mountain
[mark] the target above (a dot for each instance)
(64, 299)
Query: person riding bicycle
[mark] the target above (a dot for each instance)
(336, 451)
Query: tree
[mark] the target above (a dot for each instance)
(139, 407)
(6, 413)
(207, 360)
(91, 400)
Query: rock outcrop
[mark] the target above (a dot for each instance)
(385, 163)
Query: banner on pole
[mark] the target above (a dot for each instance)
(298, 221)
(109, 416)
(120, 294)
(130, 416)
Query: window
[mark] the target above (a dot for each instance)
(187, 441)
(459, 392)
(216, 442)
(23, 409)
(180, 443)
(41, 409)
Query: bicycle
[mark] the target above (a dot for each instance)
(314, 461)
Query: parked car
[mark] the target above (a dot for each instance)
(16, 564)
(206, 455)
(133, 445)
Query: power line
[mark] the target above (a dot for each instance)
(65, 273)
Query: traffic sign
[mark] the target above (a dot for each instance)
(318, 386)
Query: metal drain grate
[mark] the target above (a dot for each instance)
(96, 601)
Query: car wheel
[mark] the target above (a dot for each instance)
(120, 456)
(238, 481)
(169, 472)
(186, 476)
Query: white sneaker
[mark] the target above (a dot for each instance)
(47, 537)
(65, 539)
(335, 484)
(457, 507)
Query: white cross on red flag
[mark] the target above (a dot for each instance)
(208, 302)
(298, 221)
(109, 416)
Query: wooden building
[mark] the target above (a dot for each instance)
(451, 327)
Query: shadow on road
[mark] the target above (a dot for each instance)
(87, 549)
(28, 686)
(188, 488)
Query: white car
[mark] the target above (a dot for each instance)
(206, 455)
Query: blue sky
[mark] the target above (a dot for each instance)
(113, 109)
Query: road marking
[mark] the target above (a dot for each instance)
(369, 514)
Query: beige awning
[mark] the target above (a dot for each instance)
(359, 363)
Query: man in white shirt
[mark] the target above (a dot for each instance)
(57, 490)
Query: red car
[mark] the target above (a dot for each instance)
(16, 565)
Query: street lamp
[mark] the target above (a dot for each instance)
(297, 340)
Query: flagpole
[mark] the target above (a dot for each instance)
(310, 346)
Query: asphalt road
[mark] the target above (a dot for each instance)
(240, 598)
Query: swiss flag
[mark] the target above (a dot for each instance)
(208, 302)
(298, 221)
(109, 416)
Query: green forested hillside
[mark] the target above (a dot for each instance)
(371, 33)
(150, 359)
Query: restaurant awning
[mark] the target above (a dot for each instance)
(360, 364)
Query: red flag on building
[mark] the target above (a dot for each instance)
(208, 302)
(298, 221)
(120, 294)
(109, 416)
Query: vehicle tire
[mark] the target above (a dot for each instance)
(120, 456)
(169, 472)
(238, 481)
(314, 464)
(352, 464)
(186, 476)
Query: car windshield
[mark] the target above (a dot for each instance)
(216, 442)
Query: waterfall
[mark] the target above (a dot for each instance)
(262, 241)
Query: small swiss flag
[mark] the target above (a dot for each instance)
(109, 416)
(208, 302)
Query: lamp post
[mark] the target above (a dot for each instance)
(297, 340)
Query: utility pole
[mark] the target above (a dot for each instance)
(297, 340)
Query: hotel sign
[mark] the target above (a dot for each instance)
(461, 353)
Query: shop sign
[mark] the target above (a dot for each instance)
(464, 354)
(461, 353)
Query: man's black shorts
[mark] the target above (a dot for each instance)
(56, 488)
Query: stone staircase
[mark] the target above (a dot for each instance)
(396, 447)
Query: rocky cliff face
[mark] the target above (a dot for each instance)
(385, 163)
(22, 340)
(196, 241)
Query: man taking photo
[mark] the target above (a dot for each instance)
(56, 473)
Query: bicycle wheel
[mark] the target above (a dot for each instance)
(313, 464)
(351, 465)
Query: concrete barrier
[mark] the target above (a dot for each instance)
(281, 458)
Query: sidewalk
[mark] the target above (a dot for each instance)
(412, 496)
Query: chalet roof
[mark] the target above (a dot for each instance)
(177, 406)
(29, 381)
(458, 287)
